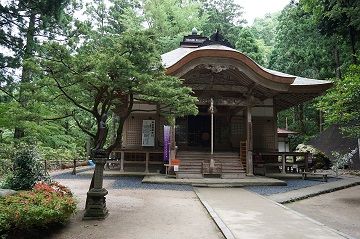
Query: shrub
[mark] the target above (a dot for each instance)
(62, 154)
(341, 160)
(27, 170)
(320, 160)
(46, 205)
(6, 155)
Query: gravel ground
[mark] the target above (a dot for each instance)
(126, 182)
(292, 184)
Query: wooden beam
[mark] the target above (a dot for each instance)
(218, 87)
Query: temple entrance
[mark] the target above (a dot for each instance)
(194, 133)
(199, 131)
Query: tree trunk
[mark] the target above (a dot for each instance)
(337, 63)
(26, 73)
(300, 110)
(352, 33)
(320, 121)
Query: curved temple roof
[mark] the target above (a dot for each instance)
(297, 89)
(177, 58)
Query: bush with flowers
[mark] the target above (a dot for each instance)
(26, 212)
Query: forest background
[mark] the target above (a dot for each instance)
(59, 76)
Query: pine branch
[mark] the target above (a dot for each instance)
(9, 94)
(71, 99)
(83, 128)
(58, 118)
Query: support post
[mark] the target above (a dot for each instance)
(359, 148)
(249, 145)
(147, 156)
(96, 204)
(74, 169)
(122, 158)
(283, 160)
(211, 109)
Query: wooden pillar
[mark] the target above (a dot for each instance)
(211, 109)
(249, 144)
(283, 160)
(122, 158)
(147, 162)
(276, 141)
(359, 148)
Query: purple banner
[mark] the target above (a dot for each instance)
(167, 143)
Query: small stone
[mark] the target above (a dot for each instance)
(6, 192)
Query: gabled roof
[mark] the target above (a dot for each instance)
(216, 54)
(177, 58)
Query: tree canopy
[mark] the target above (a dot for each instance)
(59, 75)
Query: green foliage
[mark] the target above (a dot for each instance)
(341, 103)
(299, 48)
(95, 82)
(223, 15)
(27, 170)
(6, 155)
(170, 20)
(248, 45)
(303, 119)
(46, 205)
(264, 31)
(337, 18)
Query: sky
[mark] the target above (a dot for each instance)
(258, 8)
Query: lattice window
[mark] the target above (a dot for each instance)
(237, 127)
(264, 134)
(133, 127)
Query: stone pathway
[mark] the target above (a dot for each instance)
(243, 214)
(315, 190)
(292, 184)
(256, 180)
(339, 210)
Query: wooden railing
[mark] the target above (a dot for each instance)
(122, 161)
(284, 163)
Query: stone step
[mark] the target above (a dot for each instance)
(233, 175)
(192, 163)
(232, 166)
(233, 171)
(188, 175)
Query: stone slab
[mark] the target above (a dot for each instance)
(248, 181)
(307, 192)
(249, 215)
(6, 192)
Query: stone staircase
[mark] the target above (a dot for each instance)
(196, 164)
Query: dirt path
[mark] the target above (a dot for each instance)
(140, 213)
(339, 210)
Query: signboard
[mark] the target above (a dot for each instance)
(148, 133)
(167, 143)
